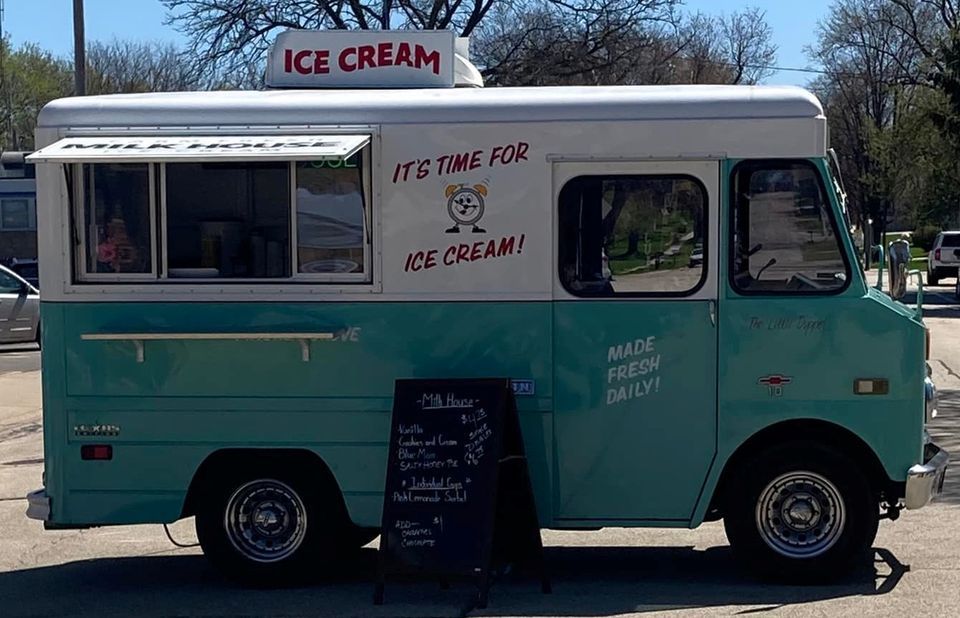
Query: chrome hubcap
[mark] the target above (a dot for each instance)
(265, 520)
(800, 514)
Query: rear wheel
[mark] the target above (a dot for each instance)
(802, 512)
(266, 525)
(932, 278)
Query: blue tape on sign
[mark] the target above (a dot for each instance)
(523, 387)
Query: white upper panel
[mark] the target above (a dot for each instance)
(425, 106)
(201, 148)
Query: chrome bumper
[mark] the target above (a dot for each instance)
(925, 481)
(38, 505)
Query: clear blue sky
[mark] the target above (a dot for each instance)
(49, 23)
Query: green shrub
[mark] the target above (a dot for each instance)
(924, 236)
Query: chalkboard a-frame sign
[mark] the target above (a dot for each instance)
(458, 502)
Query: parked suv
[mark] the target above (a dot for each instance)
(944, 257)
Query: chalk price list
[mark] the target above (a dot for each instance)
(439, 462)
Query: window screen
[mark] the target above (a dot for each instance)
(630, 235)
(784, 233)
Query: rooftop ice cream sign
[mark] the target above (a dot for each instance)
(350, 59)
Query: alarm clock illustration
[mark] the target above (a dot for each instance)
(465, 206)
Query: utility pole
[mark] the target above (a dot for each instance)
(79, 51)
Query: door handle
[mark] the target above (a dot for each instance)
(713, 312)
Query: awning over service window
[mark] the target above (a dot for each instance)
(140, 149)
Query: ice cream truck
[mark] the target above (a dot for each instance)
(233, 281)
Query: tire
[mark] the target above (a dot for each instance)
(835, 514)
(932, 278)
(265, 525)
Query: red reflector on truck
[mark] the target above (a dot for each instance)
(100, 452)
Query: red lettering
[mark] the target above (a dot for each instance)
(321, 61)
(441, 161)
(463, 253)
(431, 260)
(298, 58)
(522, 148)
(344, 62)
(460, 162)
(406, 267)
(491, 250)
(424, 58)
(403, 55)
(365, 57)
(475, 253)
(475, 159)
(423, 169)
(396, 175)
(384, 54)
(506, 246)
(449, 255)
(417, 262)
(288, 61)
(495, 154)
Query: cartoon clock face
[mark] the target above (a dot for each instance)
(465, 205)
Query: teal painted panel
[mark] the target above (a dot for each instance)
(822, 345)
(189, 399)
(391, 340)
(635, 416)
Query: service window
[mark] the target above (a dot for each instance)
(784, 235)
(632, 235)
(117, 221)
(238, 220)
(227, 220)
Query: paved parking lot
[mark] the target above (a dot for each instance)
(136, 571)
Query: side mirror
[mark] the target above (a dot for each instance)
(24, 288)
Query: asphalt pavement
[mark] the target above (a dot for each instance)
(136, 571)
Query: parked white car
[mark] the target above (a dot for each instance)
(944, 257)
(19, 309)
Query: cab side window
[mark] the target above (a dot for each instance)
(632, 235)
(784, 235)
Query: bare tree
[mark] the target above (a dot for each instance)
(231, 35)
(134, 66)
(872, 64)
(747, 45)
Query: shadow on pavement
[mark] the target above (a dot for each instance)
(587, 581)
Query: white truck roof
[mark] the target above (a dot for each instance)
(424, 106)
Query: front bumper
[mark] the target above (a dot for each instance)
(925, 481)
(38, 505)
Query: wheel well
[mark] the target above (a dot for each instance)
(812, 430)
(305, 461)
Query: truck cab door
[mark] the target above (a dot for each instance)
(635, 338)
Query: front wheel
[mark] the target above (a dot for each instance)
(265, 527)
(802, 512)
